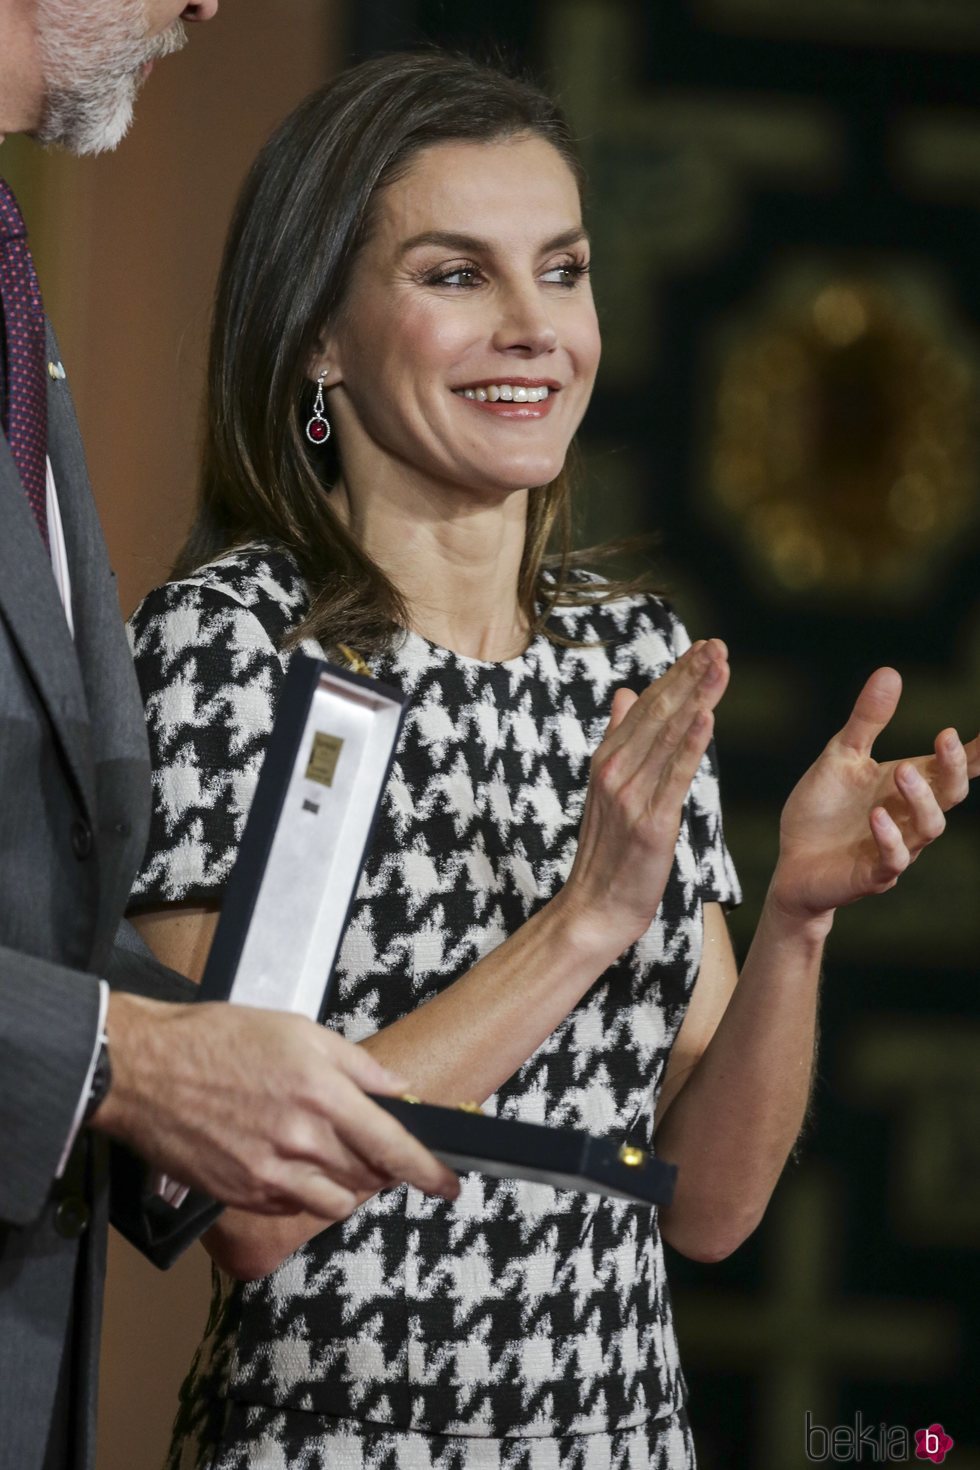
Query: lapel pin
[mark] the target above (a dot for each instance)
(56, 371)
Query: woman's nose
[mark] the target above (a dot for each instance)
(526, 326)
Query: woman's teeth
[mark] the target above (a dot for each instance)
(506, 392)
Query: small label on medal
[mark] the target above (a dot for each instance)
(324, 757)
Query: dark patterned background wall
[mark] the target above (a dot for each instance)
(784, 206)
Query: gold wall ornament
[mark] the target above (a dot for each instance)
(844, 445)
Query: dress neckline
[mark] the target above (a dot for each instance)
(439, 651)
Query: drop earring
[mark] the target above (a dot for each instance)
(318, 428)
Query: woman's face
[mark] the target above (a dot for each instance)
(468, 343)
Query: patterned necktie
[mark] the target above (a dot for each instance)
(23, 392)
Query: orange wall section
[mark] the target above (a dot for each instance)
(130, 253)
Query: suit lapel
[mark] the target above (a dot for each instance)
(115, 709)
(33, 612)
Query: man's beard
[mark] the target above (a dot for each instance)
(92, 56)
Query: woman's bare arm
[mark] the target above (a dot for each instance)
(738, 1082)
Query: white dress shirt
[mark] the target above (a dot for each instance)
(62, 578)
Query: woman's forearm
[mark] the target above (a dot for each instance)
(849, 829)
(465, 1042)
(732, 1125)
(458, 1047)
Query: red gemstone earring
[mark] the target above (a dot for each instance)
(318, 428)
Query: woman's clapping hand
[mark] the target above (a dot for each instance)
(852, 825)
(641, 774)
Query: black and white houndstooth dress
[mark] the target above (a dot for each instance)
(520, 1328)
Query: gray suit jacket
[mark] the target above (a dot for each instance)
(74, 806)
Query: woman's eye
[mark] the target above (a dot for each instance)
(462, 276)
(569, 273)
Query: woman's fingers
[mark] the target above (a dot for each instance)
(666, 695)
(972, 750)
(951, 779)
(924, 820)
(872, 711)
(653, 798)
(640, 776)
(664, 740)
(655, 724)
(623, 700)
(920, 820)
(893, 856)
(680, 770)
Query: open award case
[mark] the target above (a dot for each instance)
(301, 854)
(289, 897)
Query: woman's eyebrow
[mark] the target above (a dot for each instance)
(473, 245)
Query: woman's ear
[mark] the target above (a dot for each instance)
(325, 361)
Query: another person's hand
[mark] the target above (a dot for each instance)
(640, 778)
(259, 1109)
(853, 825)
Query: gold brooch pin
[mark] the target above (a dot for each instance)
(355, 663)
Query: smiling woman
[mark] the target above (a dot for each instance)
(355, 253)
(496, 299)
(540, 924)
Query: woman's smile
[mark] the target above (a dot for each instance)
(522, 400)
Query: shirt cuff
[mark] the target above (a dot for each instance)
(100, 1036)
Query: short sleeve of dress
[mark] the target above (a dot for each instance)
(210, 676)
(719, 880)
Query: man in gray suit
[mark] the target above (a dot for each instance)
(262, 1111)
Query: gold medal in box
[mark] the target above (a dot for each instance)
(289, 897)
